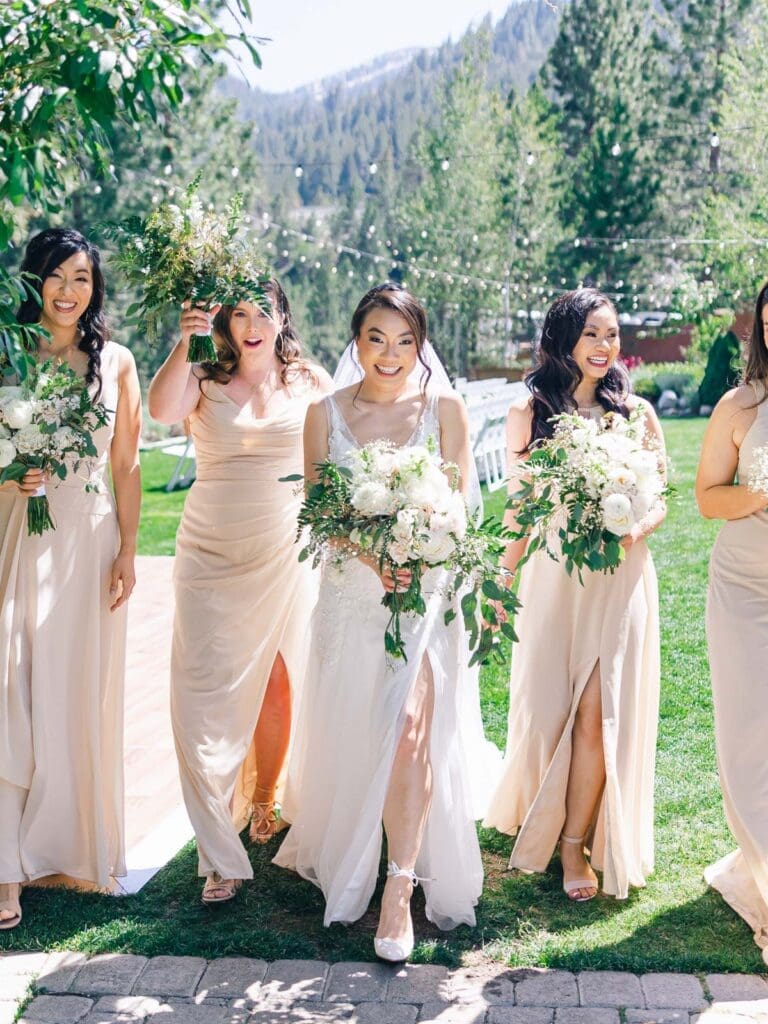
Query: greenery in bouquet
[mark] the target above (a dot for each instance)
(402, 508)
(184, 252)
(47, 422)
(586, 487)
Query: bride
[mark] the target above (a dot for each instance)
(376, 742)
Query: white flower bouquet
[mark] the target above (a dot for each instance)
(588, 486)
(757, 478)
(402, 507)
(184, 252)
(47, 422)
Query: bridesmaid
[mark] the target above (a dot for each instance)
(579, 764)
(243, 602)
(737, 627)
(381, 743)
(62, 625)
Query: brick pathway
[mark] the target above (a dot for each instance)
(69, 988)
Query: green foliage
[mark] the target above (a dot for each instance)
(723, 369)
(94, 62)
(650, 379)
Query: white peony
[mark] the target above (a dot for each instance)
(642, 503)
(372, 499)
(18, 413)
(437, 548)
(402, 531)
(7, 453)
(617, 514)
(399, 553)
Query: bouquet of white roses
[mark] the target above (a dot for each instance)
(402, 507)
(184, 252)
(588, 485)
(47, 422)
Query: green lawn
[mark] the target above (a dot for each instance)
(676, 923)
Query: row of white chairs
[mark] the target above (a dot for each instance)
(487, 402)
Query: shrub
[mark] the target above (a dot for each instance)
(650, 379)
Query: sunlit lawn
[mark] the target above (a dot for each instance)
(676, 923)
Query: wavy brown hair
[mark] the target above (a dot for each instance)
(397, 300)
(556, 375)
(288, 347)
(757, 353)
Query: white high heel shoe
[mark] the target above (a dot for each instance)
(397, 950)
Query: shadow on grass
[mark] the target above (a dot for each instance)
(523, 920)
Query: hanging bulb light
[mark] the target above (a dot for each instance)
(445, 163)
(298, 171)
(616, 149)
(373, 167)
(530, 159)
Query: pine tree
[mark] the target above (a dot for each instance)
(602, 69)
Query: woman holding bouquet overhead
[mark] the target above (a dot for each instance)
(383, 740)
(732, 484)
(579, 764)
(243, 603)
(62, 627)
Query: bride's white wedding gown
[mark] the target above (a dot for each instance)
(350, 723)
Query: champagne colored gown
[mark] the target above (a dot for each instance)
(62, 665)
(564, 629)
(350, 724)
(737, 636)
(242, 597)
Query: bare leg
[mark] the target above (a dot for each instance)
(585, 783)
(407, 805)
(10, 907)
(271, 737)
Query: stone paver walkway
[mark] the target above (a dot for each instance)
(69, 988)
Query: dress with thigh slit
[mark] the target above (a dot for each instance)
(350, 725)
(565, 629)
(242, 598)
(737, 635)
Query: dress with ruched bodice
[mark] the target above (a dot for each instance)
(241, 598)
(737, 636)
(62, 664)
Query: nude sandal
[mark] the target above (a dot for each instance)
(219, 890)
(572, 885)
(12, 904)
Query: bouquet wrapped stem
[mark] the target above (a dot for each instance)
(39, 518)
(201, 349)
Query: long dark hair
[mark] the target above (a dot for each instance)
(757, 353)
(287, 342)
(44, 253)
(397, 300)
(556, 376)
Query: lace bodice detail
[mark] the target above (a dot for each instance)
(342, 444)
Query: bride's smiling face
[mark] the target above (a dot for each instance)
(386, 348)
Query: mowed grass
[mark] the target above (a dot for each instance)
(675, 923)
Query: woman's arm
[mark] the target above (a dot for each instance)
(717, 495)
(655, 436)
(454, 436)
(126, 477)
(315, 440)
(175, 389)
(519, 419)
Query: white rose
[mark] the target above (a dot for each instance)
(642, 462)
(617, 514)
(402, 531)
(372, 499)
(437, 548)
(7, 453)
(621, 479)
(399, 553)
(18, 413)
